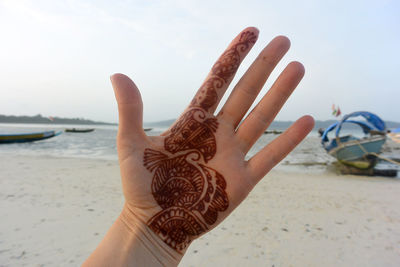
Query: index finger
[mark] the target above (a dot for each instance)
(223, 71)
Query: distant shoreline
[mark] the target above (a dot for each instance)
(39, 119)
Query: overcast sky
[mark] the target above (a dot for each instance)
(56, 56)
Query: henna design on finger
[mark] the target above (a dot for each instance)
(223, 71)
(190, 193)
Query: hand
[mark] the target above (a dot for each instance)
(186, 181)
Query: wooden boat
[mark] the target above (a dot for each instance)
(356, 152)
(273, 132)
(79, 130)
(26, 137)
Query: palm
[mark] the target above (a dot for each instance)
(184, 182)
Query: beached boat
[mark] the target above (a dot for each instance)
(79, 130)
(26, 137)
(350, 150)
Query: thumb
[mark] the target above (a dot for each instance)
(130, 106)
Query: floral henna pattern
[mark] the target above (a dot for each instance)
(222, 71)
(190, 193)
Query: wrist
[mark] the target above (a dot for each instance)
(140, 236)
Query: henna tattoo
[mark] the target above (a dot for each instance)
(193, 131)
(222, 71)
(190, 193)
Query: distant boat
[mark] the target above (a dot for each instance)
(78, 130)
(26, 137)
(273, 132)
(147, 129)
(350, 150)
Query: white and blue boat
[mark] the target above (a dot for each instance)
(352, 150)
(26, 137)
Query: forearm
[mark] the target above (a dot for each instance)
(129, 242)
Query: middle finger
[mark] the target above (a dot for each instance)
(247, 89)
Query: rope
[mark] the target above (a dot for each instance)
(383, 158)
(377, 155)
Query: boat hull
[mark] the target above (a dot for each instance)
(357, 149)
(23, 138)
(74, 130)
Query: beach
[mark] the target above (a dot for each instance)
(55, 210)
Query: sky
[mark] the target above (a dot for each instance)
(56, 56)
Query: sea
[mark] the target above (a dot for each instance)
(308, 156)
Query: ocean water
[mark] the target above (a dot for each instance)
(101, 144)
(98, 144)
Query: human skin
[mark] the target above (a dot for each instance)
(183, 183)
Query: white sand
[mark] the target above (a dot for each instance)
(53, 212)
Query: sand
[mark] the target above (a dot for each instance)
(54, 211)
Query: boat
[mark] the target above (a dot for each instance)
(79, 130)
(26, 137)
(147, 129)
(353, 151)
(273, 132)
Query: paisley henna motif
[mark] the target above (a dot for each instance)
(190, 193)
(181, 183)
